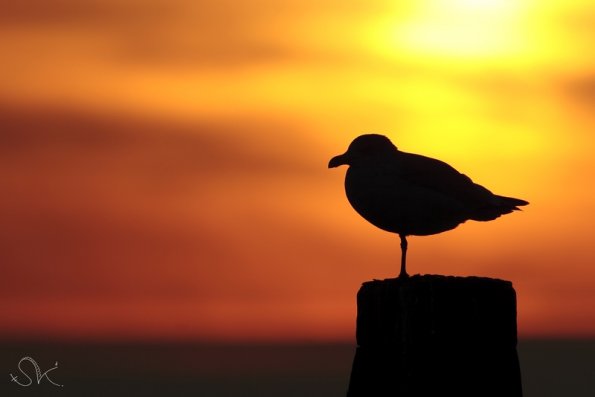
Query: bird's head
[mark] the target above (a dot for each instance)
(364, 149)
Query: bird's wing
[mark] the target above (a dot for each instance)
(440, 177)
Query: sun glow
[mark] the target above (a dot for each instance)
(463, 30)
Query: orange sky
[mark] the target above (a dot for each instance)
(163, 163)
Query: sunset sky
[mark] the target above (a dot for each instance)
(164, 162)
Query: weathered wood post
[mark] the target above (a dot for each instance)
(436, 336)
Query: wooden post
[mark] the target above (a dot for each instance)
(436, 336)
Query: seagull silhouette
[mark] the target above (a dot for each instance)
(410, 194)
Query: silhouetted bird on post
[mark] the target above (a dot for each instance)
(410, 194)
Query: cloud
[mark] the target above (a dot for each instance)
(162, 149)
(580, 90)
(179, 33)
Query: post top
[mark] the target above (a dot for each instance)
(437, 279)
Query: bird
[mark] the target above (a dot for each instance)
(413, 195)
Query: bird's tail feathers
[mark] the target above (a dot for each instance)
(500, 206)
(512, 202)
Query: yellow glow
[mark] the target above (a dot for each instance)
(488, 6)
(487, 30)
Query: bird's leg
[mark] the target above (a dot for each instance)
(403, 273)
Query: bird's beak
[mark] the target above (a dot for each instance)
(338, 160)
